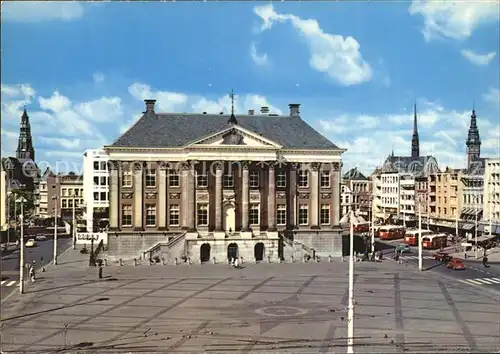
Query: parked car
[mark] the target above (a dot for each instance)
(442, 257)
(404, 248)
(31, 243)
(455, 264)
(41, 238)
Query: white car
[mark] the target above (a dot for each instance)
(41, 238)
(31, 243)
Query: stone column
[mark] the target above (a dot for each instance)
(292, 195)
(191, 197)
(218, 197)
(138, 197)
(114, 195)
(314, 194)
(244, 197)
(336, 194)
(162, 198)
(184, 174)
(271, 198)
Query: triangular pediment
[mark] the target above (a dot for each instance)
(235, 136)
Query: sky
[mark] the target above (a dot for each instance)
(83, 69)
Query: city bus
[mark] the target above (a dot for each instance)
(434, 241)
(361, 227)
(391, 232)
(411, 236)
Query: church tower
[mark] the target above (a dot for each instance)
(473, 141)
(25, 149)
(415, 145)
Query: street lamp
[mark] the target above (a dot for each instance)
(54, 259)
(350, 313)
(372, 200)
(420, 266)
(476, 200)
(74, 223)
(21, 201)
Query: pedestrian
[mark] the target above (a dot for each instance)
(100, 269)
(32, 273)
(236, 263)
(466, 256)
(41, 262)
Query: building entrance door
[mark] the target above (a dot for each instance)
(232, 251)
(229, 221)
(205, 252)
(259, 251)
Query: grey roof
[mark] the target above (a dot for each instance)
(354, 175)
(177, 130)
(418, 166)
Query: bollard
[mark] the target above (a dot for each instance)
(316, 259)
(162, 261)
(281, 260)
(176, 262)
(330, 259)
(293, 259)
(120, 261)
(256, 261)
(268, 259)
(213, 260)
(241, 260)
(135, 262)
(305, 259)
(342, 258)
(105, 262)
(189, 260)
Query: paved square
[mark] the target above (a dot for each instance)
(295, 308)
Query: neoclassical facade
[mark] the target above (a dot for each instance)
(210, 187)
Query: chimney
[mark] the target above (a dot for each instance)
(251, 112)
(294, 109)
(150, 106)
(264, 110)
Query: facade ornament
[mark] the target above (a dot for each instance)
(293, 166)
(232, 137)
(304, 196)
(326, 196)
(315, 166)
(281, 195)
(138, 166)
(245, 164)
(202, 197)
(127, 195)
(254, 196)
(272, 165)
(336, 166)
(150, 195)
(174, 195)
(163, 165)
(218, 165)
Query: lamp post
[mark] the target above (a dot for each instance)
(9, 193)
(74, 223)
(21, 201)
(420, 266)
(350, 314)
(476, 200)
(373, 228)
(55, 199)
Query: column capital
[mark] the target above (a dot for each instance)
(185, 166)
(293, 166)
(315, 166)
(163, 165)
(113, 165)
(336, 166)
(272, 165)
(245, 164)
(218, 165)
(138, 165)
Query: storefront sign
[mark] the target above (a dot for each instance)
(86, 237)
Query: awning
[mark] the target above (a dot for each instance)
(468, 226)
(485, 238)
(471, 211)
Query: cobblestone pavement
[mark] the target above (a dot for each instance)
(295, 308)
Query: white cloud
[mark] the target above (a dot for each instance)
(38, 11)
(453, 19)
(166, 101)
(105, 109)
(367, 122)
(332, 54)
(62, 142)
(476, 58)
(99, 77)
(492, 96)
(56, 103)
(8, 142)
(259, 59)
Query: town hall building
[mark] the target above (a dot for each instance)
(205, 187)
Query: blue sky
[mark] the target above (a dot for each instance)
(83, 69)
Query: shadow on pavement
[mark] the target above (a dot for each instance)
(54, 309)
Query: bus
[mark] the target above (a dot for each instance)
(391, 232)
(361, 227)
(434, 241)
(411, 236)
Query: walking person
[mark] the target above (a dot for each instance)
(32, 273)
(100, 269)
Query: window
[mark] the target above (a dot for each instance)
(77, 203)
(227, 181)
(64, 192)
(324, 216)
(303, 214)
(70, 203)
(76, 192)
(103, 165)
(202, 214)
(174, 215)
(173, 178)
(127, 178)
(96, 181)
(103, 181)
(126, 215)
(96, 196)
(151, 178)
(325, 179)
(150, 214)
(281, 179)
(254, 214)
(201, 180)
(303, 178)
(281, 215)
(96, 165)
(103, 196)
(254, 179)
(64, 203)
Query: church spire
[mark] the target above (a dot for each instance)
(415, 145)
(25, 149)
(473, 142)
(232, 118)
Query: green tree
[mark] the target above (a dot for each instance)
(29, 205)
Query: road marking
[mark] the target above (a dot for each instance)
(497, 279)
(3, 282)
(12, 282)
(470, 281)
(482, 281)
